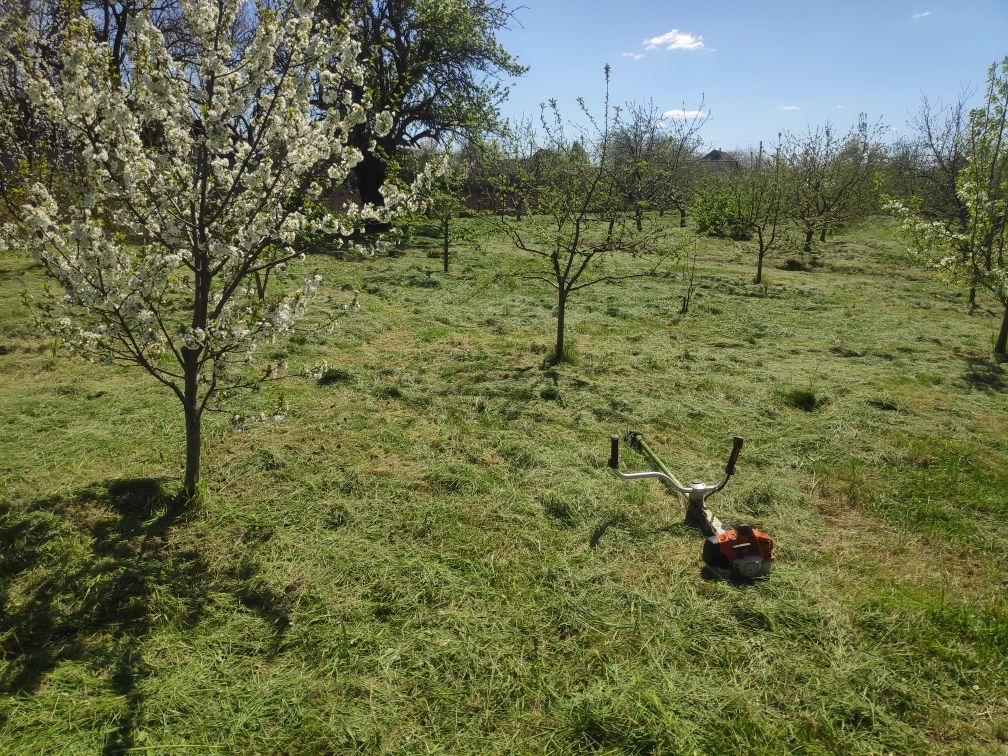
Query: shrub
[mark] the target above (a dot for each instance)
(717, 213)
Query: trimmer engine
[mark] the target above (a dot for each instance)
(743, 551)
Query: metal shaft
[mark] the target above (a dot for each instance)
(638, 440)
(697, 513)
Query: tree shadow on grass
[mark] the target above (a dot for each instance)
(983, 373)
(85, 579)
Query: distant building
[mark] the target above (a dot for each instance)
(721, 159)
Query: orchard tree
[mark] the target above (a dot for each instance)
(635, 157)
(655, 155)
(903, 169)
(447, 200)
(31, 146)
(436, 66)
(512, 165)
(972, 252)
(940, 144)
(28, 140)
(761, 196)
(832, 175)
(677, 156)
(582, 232)
(190, 178)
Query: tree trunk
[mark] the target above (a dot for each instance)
(558, 351)
(192, 423)
(822, 234)
(639, 217)
(972, 298)
(759, 267)
(371, 174)
(682, 217)
(445, 236)
(1002, 339)
(808, 240)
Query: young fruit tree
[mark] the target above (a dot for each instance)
(676, 158)
(832, 176)
(635, 155)
(447, 203)
(972, 250)
(580, 231)
(939, 145)
(189, 176)
(761, 198)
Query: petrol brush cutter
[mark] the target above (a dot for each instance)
(741, 552)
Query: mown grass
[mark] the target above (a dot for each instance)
(430, 554)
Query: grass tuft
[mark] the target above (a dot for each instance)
(804, 399)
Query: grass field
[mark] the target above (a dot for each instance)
(429, 554)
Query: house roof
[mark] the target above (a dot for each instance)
(717, 155)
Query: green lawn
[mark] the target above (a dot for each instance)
(430, 554)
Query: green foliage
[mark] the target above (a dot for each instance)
(717, 212)
(438, 67)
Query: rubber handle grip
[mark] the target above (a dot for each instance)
(736, 448)
(614, 452)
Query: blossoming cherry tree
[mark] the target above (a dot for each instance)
(190, 189)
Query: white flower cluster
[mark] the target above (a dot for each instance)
(192, 175)
(940, 246)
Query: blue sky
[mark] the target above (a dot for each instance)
(759, 66)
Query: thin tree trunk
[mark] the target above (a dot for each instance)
(444, 233)
(192, 423)
(808, 240)
(759, 267)
(822, 234)
(682, 217)
(1002, 339)
(558, 352)
(639, 217)
(972, 298)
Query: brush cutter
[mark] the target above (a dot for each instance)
(741, 552)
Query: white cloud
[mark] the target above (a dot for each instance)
(675, 40)
(789, 107)
(925, 14)
(683, 113)
(634, 56)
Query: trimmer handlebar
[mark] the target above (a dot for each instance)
(736, 448)
(663, 473)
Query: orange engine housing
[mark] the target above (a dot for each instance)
(744, 551)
